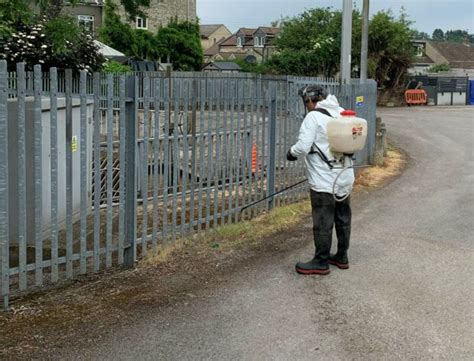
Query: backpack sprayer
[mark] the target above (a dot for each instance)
(346, 135)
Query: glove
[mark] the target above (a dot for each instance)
(290, 156)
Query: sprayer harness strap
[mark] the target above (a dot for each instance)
(318, 151)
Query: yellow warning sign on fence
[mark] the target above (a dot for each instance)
(74, 143)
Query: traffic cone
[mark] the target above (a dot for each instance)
(254, 158)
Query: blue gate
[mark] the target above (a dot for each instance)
(471, 98)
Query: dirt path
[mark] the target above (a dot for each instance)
(82, 313)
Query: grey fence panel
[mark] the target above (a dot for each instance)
(167, 154)
(54, 175)
(69, 175)
(224, 154)
(145, 162)
(210, 150)
(4, 226)
(166, 151)
(84, 209)
(157, 170)
(110, 162)
(174, 166)
(184, 167)
(21, 159)
(272, 143)
(202, 142)
(97, 172)
(38, 191)
(122, 139)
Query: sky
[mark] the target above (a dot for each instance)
(426, 14)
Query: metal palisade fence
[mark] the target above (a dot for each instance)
(98, 169)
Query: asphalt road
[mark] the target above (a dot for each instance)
(407, 296)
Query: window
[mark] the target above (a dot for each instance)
(259, 41)
(142, 23)
(87, 21)
(419, 51)
(239, 42)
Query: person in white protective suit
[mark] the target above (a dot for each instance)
(321, 169)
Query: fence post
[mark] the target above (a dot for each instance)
(130, 249)
(4, 232)
(272, 143)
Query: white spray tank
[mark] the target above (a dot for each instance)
(347, 133)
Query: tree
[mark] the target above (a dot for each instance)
(116, 34)
(49, 39)
(13, 14)
(180, 42)
(438, 35)
(420, 35)
(390, 48)
(457, 36)
(309, 43)
(146, 45)
(132, 7)
(58, 42)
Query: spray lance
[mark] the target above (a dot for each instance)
(346, 135)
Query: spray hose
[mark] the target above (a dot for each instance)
(337, 199)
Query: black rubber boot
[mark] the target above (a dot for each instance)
(342, 220)
(340, 259)
(319, 264)
(313, 267)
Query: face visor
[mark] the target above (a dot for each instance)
(312, 93)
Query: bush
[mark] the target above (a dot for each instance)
(113, 66)
(437, 68)
(116, 34)
(180, 41)
(58, 42)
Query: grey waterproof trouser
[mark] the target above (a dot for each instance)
(328, 213)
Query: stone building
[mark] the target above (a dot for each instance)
(161, 12)
(90, 13)
(251, 45)
(213, 34)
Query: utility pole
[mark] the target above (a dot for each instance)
(346, 43)
(365, 42)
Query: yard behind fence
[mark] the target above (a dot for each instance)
(98, 169)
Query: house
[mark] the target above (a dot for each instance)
(252, 45)
(90, 13)
(161, 12)
(213, 34)
(459, 57)
(222, 67)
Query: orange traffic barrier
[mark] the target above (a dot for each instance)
(415, 96)
(254, 158)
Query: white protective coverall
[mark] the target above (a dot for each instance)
(314, 130)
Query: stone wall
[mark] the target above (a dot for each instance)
(91, 10)
(161, 12)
